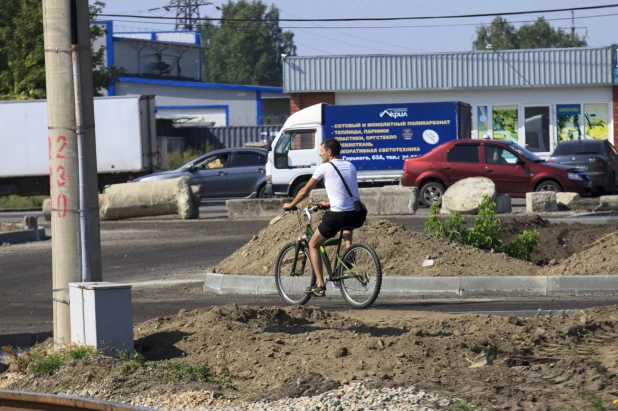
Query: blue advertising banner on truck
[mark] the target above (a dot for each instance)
(382, 136)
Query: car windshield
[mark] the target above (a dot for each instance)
(582, 147)
(528, 155)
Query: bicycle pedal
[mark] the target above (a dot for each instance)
(336, 285)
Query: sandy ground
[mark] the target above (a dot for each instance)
(539, 363)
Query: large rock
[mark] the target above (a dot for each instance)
(387, 200)
(566, 201)
(542, 202)
(149, 198)
(466, 195)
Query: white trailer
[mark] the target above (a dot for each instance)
(125, 138)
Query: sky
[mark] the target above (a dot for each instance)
(600, 27)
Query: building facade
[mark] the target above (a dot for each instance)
(537, 98)
(169, 66)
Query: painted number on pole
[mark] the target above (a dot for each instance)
(59, 177)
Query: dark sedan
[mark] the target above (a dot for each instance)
(598, 158)
(223, 174)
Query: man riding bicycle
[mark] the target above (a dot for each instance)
(342, 214)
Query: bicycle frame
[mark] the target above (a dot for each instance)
(328, 243)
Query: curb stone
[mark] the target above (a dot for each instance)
(16, 237)
(519, 286)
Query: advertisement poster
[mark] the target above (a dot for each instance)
(382, 136)
(596, 121)
(505, 122)
(483, 120)
(568, 121)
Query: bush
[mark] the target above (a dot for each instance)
(485, 234)
(13, 201)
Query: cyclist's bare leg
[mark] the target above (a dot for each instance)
(347, 237)
(316, 260)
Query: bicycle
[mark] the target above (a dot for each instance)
(358, 269)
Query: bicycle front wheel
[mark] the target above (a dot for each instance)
(293, 280)
(362, 275)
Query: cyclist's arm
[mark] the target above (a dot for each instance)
(303, 193)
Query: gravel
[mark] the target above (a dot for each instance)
(354, 396)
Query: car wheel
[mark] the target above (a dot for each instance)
(262, 192)
(549, 185)
(431, 192)
(297, 187)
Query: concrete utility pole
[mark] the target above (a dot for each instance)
(63, 28)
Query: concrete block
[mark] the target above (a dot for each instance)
(149, 198)
(541, 202)
(267, 285)
(387, 200)
(503, 204)
(240, 284)
(255, 208)
(213, 283)
(583, 285)
(566, 201)
(607, 203)
(504, 286)
(420, 286)
(25, 236)
(466, 195)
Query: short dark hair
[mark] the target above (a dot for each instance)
(333, 145)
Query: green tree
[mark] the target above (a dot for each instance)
(502, 35)
(22, 57)
(246, 52)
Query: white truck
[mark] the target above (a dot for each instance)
(376, 138)
(127, 145)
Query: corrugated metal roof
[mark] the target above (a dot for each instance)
(458, 70)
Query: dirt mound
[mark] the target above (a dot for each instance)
(598, 257)
(401, 251)
(556, 241)
(496, 362)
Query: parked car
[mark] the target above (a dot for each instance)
(513, 169)
(598, 158)
(223, 174)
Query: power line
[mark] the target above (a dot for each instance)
(461, 16)
(392, 27)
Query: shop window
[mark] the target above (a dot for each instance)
(505, 122)
(483, 121)
(596, 124)
(568, 118)
(537, 129)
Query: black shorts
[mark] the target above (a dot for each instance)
(333, 222)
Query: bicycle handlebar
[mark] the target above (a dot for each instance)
(314, 208)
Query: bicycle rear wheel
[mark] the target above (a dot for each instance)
(291, 285)
(365, 275)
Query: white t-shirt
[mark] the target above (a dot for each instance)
(338, 196)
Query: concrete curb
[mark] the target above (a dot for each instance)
(16, 237)
(520, 286)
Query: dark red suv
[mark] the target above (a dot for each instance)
(513, 169)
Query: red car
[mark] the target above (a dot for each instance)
(513, 169)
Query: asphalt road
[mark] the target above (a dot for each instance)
(167, 251)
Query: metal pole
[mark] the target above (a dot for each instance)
(83, 194)
(63, 161)
(91, 184)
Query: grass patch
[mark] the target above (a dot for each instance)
(44, 363)
(462, 405)
(13, 201)
(182, 372)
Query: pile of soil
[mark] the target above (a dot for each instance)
(402, 251)
(599, 257)
(557, 242)
(495, 362)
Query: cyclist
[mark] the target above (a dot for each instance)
(342, 213)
